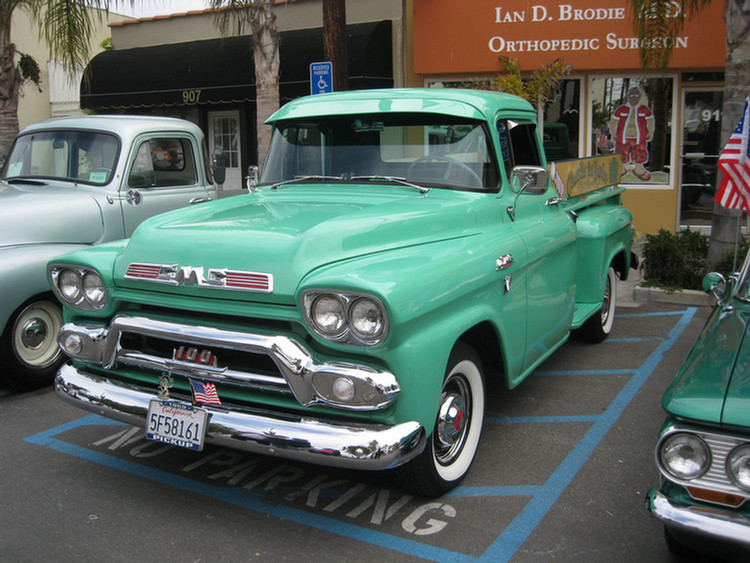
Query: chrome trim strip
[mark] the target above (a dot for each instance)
(297, 365)
(287, 435)
(715, 522)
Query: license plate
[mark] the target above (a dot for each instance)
(176, 423)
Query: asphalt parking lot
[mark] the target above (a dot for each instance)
(564, 464)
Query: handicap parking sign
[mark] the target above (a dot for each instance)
(321, 78)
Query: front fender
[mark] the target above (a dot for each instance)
(434, 294)
(23, 274)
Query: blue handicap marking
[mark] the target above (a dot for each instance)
(321, 77)
(365, 511)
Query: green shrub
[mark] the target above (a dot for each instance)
(678, 260)
(675, 260)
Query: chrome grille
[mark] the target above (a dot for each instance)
(236, 364)
(720, 445)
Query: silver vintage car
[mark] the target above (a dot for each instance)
(75, 182)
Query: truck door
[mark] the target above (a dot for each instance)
(549, 235)
(163, 174)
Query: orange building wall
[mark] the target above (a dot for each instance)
(652, 209)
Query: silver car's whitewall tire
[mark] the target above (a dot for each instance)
(30, 353)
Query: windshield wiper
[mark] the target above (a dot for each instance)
(395, 180)
(303, 179)
(29, 181)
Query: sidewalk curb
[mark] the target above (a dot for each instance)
(690, 297)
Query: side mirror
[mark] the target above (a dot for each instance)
(219, 162)
(251, 180)
(714, 283)
(529, 179)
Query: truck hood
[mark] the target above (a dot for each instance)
(289, 232)
(46, 214)
(713, 385)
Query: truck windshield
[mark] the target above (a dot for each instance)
(78, 156)
(422, 149)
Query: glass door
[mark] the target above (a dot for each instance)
(700, 146)
(224, 132)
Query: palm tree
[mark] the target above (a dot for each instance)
(651, 19)
(66, 28)
(258, 14)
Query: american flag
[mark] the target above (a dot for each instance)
(734, 189)
(205, 393)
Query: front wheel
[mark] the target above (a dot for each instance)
(29, 354)
(451, 448)
(598, 327)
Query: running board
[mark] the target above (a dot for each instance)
(583, 312)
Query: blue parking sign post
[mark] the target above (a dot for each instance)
(321, 78)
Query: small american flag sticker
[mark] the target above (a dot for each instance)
(204, 393)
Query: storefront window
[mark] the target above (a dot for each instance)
(562, 122)
(633, 117)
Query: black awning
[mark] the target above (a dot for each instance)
(222, 70)
(200, 72)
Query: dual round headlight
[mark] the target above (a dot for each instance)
(79, 287)
(738, 466)
(351, 318)
(685, 456)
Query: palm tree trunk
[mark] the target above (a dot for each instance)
(266, 56)
(10, 84)
(335, 47)
(725, 223)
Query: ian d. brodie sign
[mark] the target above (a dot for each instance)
(592, 35)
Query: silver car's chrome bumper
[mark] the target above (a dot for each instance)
(714, 523)
(291, 436)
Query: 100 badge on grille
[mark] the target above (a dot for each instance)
(177, 424)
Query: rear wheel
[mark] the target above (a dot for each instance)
(29, 353)
(453, 444)
(598, 327)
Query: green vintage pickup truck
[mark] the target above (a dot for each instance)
(401, 248)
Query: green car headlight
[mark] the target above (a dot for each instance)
(79, 287)
(738, 466)
(366, 319)
(345, 317)
(684, 456)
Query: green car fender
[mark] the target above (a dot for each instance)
(427, 319)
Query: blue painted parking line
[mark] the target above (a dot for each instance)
(511, 539)
(541, 497)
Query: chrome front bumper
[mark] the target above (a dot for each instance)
(290, 436)
(715, 523)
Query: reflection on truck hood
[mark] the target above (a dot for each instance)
(713, 385)
(44, 214)
(293, 230)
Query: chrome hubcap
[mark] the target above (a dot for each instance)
(34, 333)
(452, 422)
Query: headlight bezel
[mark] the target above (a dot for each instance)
(697, 443)
(351, 305)
(80, 276)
